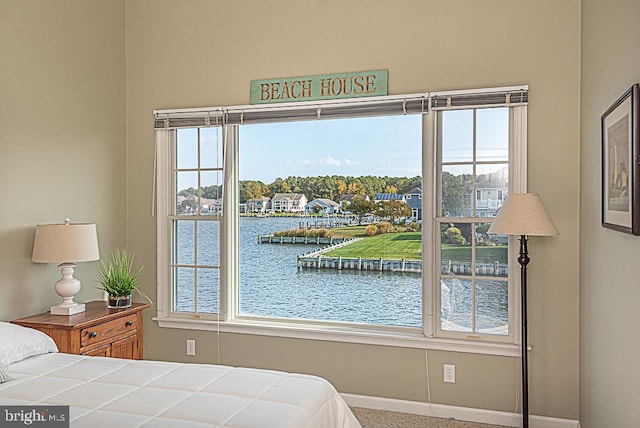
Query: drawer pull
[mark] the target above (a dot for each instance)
(129, 323)
(94, 334)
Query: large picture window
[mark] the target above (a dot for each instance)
(299, 180)
(374, 217)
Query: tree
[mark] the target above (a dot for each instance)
(361, 207)
(251, 190)
(356, 188)
(390, 189)
(453, 235)
(280, 186)
(456, 191)
(188, 205)
(393, 210)
(212, 192)
(341, 187)
(483, 228)
(188, 192)
(463, 229)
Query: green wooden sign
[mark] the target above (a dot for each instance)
(320, 87)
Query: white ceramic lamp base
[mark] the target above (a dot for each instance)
(67, 287)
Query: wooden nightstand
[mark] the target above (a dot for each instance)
(97, 331)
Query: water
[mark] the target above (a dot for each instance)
(272, 285)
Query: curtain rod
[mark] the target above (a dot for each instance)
(221, 110)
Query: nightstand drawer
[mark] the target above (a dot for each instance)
(108, 330)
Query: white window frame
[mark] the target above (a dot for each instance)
(517, 183)
(228, 320)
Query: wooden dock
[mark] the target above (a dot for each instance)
(301, 240)
(358, 263)
(318, 260)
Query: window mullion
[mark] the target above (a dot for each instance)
(474, 213)
(229, 257)
(430, 190)
(195, 226)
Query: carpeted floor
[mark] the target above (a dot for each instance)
(370, 418)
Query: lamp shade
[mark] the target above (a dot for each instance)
(65, 243)
(523, 214)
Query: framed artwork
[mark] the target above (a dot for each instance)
(620, 168)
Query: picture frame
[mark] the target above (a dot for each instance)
(620, 164)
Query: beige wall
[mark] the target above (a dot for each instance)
(609, 269)
(62, 137)
(64, 123)
(203, 53)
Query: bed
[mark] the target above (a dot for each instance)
(109, 392)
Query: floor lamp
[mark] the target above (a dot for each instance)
(523, 215)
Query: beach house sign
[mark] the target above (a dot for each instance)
(319, 87)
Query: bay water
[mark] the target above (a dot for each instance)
(272, 285)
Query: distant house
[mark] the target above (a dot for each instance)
(257, 205)
(413, 198)
(348, 198)
(389, 197)
(491, 192)
(289, 202)
(322, 206)
(213, 206)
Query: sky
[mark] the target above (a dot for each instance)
(378, 146)
(381, 146)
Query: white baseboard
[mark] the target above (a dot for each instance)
(459, 413)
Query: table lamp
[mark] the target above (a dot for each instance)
(66, 244)
(523, 215)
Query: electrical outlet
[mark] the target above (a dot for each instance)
(449, 373)
(191, 347)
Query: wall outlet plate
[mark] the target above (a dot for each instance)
(449, 373)
(191, 347)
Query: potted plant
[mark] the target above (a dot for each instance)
(119, 279)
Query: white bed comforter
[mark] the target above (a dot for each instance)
(106, 392)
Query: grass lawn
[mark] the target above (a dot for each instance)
(389, 246)
(407, 246)
(462, 253)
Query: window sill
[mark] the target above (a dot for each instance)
(400, 338)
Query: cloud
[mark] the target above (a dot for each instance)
(328, 161)
(336, 162)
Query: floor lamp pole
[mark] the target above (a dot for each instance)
(524, 261)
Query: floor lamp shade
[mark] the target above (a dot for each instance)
(66, 244)
(524, 215)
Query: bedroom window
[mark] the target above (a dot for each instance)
(250, 238)
(194, 220)
(473, 158)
